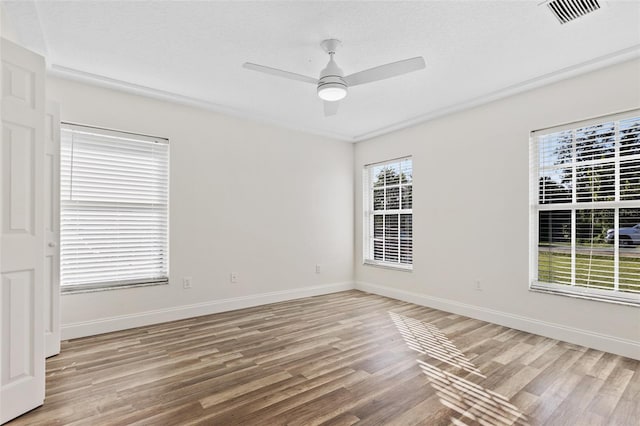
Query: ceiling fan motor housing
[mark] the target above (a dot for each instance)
(331, 86)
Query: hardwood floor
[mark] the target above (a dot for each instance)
(338, 359)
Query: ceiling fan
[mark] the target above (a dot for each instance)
(333, 84)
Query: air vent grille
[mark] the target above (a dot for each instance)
(568, 10)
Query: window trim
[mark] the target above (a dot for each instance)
(572, 290)
(367, 228)
(132, 283)
(388, 265)
(94, 288)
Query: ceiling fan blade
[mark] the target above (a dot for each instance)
(385, 71)
(280, 73)
(331, 108)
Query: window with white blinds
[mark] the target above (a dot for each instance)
(585, 209)
(114, 191)
(388, 213)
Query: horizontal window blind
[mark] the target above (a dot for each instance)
(388, 206)
(114, 190)
(586, 209)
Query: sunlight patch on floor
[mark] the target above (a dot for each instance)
(472, 401)
(429, 340)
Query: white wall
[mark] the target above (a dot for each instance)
(270, 203)
(254, 199)
(471, 212)
(7, 29)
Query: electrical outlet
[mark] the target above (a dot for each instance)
(478, 286)
(186, 283)
(233, 277)
(318, 269)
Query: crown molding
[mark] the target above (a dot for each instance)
(136, 89)
(620, 56)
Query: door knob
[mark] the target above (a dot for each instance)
(52, 244)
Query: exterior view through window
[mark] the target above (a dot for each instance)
(388, 207)
(114, 190)
(585, 200)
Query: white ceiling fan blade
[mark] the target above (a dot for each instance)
(331, 108)
(385, 71)
(280, 73)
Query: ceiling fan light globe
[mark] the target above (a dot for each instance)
(332, 92)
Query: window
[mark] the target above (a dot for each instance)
(114, 204)
(585, 215)
(388, 207)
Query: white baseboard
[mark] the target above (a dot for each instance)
(123, 322)
(624, 347)
(628, 348)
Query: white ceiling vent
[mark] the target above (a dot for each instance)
(568, 10)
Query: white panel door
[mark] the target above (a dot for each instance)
(22, 237)
(52, 229)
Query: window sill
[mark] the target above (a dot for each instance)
(629, 299)
(394, 266)
(78, 289)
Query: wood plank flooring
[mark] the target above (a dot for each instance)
(340, 359)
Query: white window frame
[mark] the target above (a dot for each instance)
(368, 222)
(160, 211)
(573, 290)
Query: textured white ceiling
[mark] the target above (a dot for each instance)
(475, 51)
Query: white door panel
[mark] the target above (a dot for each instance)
(51, 229)
(22, 237)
